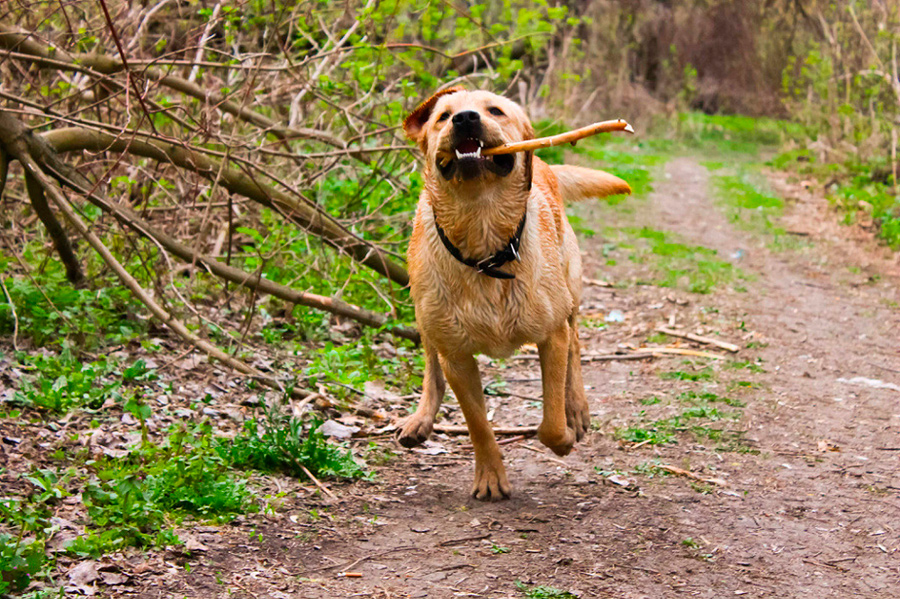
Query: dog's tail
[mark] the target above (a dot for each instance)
(577, 183)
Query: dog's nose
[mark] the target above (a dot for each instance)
(466, 117)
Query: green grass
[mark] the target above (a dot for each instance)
(700, 409)
(706, 374)
(60, 382)
(677, 265)
(543, 592)
(52, 313)
(739, 137)
(854, 187)
(284, 444)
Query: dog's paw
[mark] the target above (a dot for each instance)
(578, 416)
(415, 430)
(491, 483)
(561, 444)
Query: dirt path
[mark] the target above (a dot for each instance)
(806, 496)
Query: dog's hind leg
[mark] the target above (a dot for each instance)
(554, 431)
(490, 475)
(417, 427)
(578, 412)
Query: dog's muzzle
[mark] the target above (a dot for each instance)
(467, 142)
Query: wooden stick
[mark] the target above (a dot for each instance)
(569, 137)
(677, 351)
(315, 480)
(691, 475)
(731, 347)
(450, 429)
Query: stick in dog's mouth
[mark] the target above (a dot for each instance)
(546, 142)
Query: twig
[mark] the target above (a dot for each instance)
(563, 138)
(677, 351)
(12, 307)
(316, 481)
(449, 429)
(597, 357)
(18, 148)
(201, 46)
(506, 441)
(596, 282)
(691, 475)
(731, 347)
(348, 565)
(450, 542)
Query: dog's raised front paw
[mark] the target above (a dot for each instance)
(415, 430)
(561, 444)
(491, 483)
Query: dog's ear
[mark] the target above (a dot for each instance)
(528, 157)
(415, 122)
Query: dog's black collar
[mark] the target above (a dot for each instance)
(488, 266)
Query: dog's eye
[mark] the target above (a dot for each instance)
(444, 116)
(496, 111)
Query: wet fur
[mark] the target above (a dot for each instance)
(461, 313)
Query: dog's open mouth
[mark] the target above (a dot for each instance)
(468, 163)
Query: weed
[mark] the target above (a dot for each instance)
(497, 549)
(651, 435)
(694, 268)
(706, 398)
(706, 374)
(746, 206)
(745, 364)
(543, 592)
(690, 543)
(131, 500)
(279, 443)
(344, 368)
(53, 313)
(650, 401)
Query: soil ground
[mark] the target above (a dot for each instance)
(800, 497)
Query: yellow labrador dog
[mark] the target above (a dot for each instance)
(494, 264)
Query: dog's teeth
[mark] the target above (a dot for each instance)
(480, 144)
(459, 154)
(478, 152)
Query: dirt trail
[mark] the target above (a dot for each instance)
(793, 519)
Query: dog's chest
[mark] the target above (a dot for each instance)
(470, 312)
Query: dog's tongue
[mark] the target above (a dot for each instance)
(467, 146)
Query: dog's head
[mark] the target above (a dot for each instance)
(453, 126)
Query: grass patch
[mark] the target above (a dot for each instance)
(695, 419)
(543, 592)
(59, 383)
(52, 313)
(694, 268)
(746, 206)
(857, 188)
(705, 374)
(733, 135)
(279, 443)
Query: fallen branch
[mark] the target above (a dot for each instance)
(598, 357)
(569, 137)
(730, 347)
(450, 429)
(316, 481)
(688, 474)
(312, 220)
(677, 351)
(14, 136)
(24, 46)
(253, 281)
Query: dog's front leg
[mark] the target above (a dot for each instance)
(490, 475)
(554, 353)
(417, 427)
